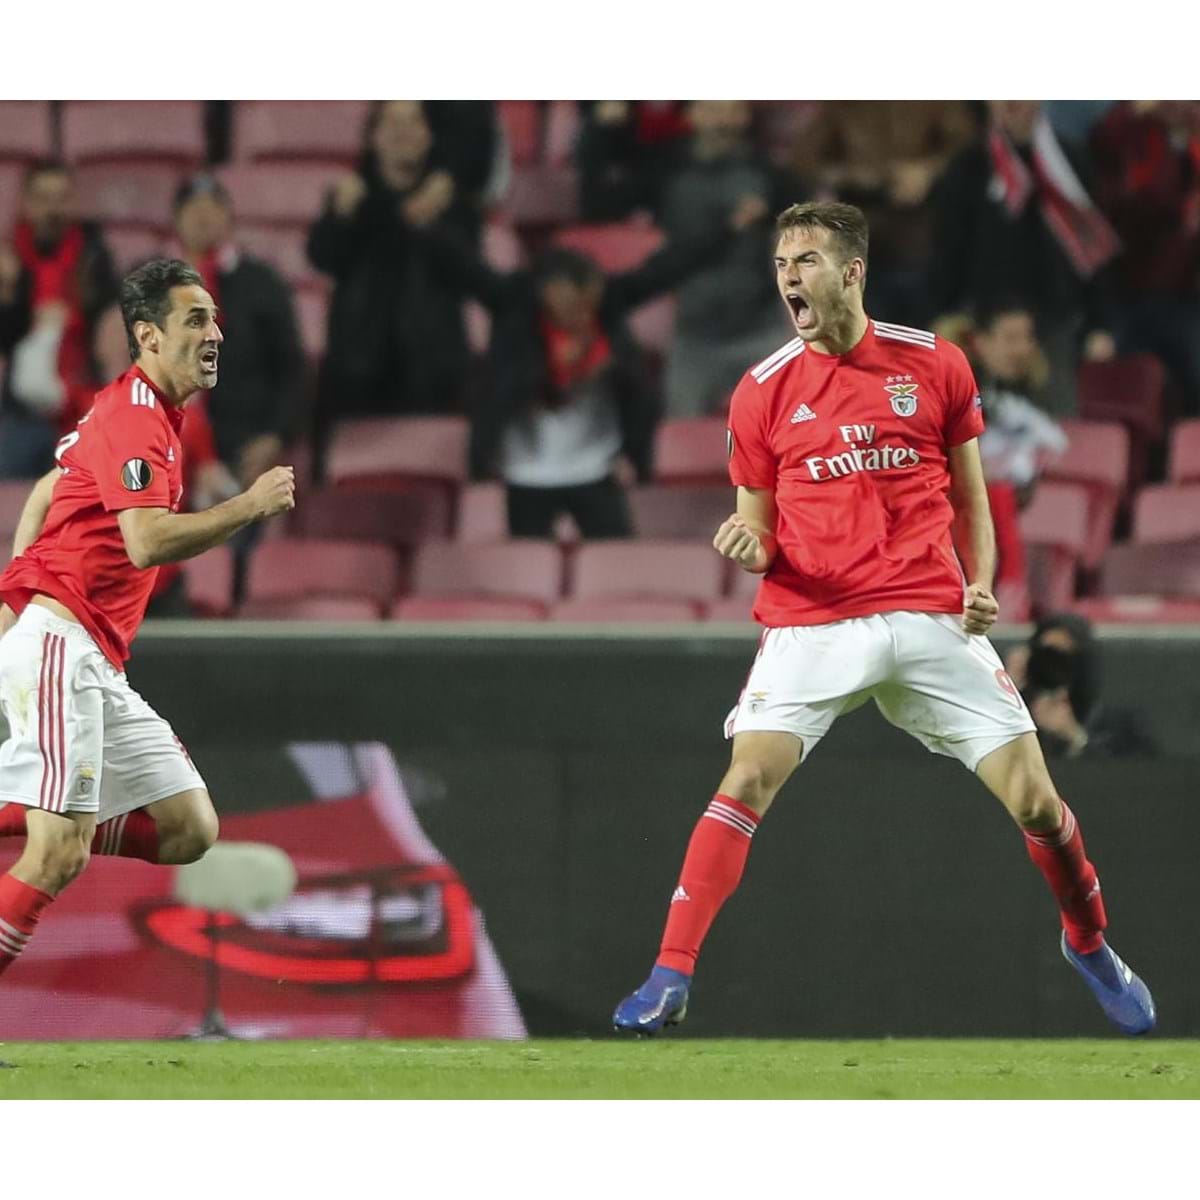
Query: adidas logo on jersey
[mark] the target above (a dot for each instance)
(803, 413)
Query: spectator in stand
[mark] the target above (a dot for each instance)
(1014, 218)
(255, 409)
(56, 279)
(397, 342)
(1059, 674)
(727, 317)
(1147, 161)
(885, 156)
(570, 418)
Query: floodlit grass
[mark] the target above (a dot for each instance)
(607, 1069)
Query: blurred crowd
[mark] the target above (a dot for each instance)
(1041, 236)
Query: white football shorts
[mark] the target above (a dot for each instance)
(947, 688)
(80, 738)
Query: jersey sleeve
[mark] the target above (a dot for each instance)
(131, 466)
(964, 407)
(751, 463)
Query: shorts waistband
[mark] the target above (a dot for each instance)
(36, 617)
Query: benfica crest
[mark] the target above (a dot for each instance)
(902, 392)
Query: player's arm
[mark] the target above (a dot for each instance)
(154, 536)
(748, 536)
(974, 536)
(33, 515)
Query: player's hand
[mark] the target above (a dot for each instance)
(979, 609)
(735, 539)
(273, 492)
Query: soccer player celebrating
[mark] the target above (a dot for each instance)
(90, 767)
(854, 450)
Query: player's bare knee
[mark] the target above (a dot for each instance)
(750, 781)
(1034, 804)
(192, 841)
(61, 861)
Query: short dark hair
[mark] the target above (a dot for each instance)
(146, 293)
(846, 223)
(1009, 305)
(44, 166)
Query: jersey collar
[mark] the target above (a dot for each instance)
(173, 414)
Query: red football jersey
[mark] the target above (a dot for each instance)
(125, 453)
(854, 447)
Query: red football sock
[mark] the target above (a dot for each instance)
(712, 869)
(1061, 858)
(12, 820)
(131, 835)
(20, 908)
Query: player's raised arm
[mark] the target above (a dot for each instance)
(974, 536)
(154, 536)
(748, 536)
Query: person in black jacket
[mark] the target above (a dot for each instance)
(397, 342)
(256, 408)
(570, 417)
(56, 279)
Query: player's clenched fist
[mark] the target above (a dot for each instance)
(979, 609)
(735, 539)
(273, 492)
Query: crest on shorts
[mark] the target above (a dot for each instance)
(902, 392)
(136, 475)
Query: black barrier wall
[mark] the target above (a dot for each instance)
(886, 894)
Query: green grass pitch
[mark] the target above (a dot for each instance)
(606, 1069)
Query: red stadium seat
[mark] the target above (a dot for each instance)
(482, 513)
(517, 570)
(142, 130)
(326, 130)
(692, 450)
(294, 568)
(12, 176)
(1163, 569)
(1127, 390)
(26, 130)
(1098, 458)
(311, 608)
(284, 249)
(133, 246)
(1148, 610)
(630, 611)
(1168, 512)
(386, 449)
(521, 121)
(542, 195)
(278, 193)
(312, 314)
(614, 248)
(420, 608)
(1055, 529)
(1184, 463)
(562, 131)
(664, 511)
(1015, 602)
(743, 585)
(138, 195)
(208, 580)
(649, 570)
(398, 518)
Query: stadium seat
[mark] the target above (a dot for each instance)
(646, 570)
(616, 247)
(278, 193)
(1055, 529)
(133, 246)
(514, 570)
(521, 121)
(1098, 458)
(542, 196)
(312, 314)
(562, 131)
(692, 450)
(1016, 604)
(482, 513)
(664, 511)
(450, 608)
(388, 449)
(1128, 390)
(284, 249)
(1184, 461)
(295, 568)
(1148, 610)
(1168, 512)
(170, 131)
(26, 130)
(11, 178)
(328, 131)
(208, 580)
(311, 608)
(630, 611)
(1170, 569)
(130, 195)
(396, 517)
(743, 585)
(735, 610)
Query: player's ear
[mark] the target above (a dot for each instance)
(146, 334)
(854, 273)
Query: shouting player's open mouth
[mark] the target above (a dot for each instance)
(208, 361)
(803, 316)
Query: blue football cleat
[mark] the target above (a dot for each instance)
(1126, 1000)
(659, 1002)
